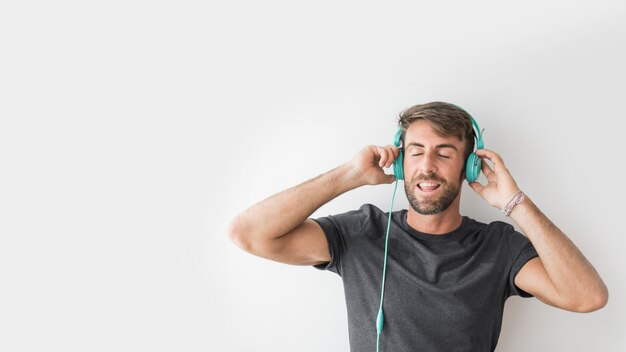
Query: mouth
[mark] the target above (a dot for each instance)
(427, 186)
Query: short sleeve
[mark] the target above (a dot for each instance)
(521, 250)
(338, 230)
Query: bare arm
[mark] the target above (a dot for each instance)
(278, 228)
(561, 276)
(574, 280)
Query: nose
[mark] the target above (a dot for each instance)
(427, 163)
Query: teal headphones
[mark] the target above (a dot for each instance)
(472, 171)
(472, 165)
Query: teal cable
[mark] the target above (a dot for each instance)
(380, 320)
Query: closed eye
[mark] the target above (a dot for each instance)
(439, 155)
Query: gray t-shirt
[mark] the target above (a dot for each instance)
(442, 292)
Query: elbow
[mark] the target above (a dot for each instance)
(594, 302)
(600, 300)
(236, 233)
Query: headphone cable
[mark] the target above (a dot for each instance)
(380, 320)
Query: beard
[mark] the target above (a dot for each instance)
(431, 206)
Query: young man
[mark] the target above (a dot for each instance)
(447, 276)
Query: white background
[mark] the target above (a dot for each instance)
(131, 133)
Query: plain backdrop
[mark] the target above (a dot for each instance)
(131, 132)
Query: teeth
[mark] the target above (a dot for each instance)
(428, 184)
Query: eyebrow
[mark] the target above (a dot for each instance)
(439, 146)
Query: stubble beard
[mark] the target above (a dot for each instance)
(431, 206)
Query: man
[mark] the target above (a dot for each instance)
(448, 276)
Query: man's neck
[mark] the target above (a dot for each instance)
(438, 224)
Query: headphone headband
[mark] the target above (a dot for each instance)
(479, 137)
(398, 138)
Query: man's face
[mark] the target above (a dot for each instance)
(433, 168)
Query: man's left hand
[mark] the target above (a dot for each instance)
(500, 185)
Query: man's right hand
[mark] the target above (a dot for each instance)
(368, 164)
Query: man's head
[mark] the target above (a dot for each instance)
(437, 139)
(447, 120)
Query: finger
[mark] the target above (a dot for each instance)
(392, 155)
(487, 170)
(494, 157)
(396, 150)
(386, 153)
(390, 178)
(477, 187)
(383, 156)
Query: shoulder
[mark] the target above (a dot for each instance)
(368, 210)
(495, 227)
(365, 210)
(506, 230)
(495, 230)
(351, 220)
(500, 227)
(515, 241)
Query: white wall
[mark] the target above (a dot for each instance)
(132, 132)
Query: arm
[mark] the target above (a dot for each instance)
(278, 227)
(561, 276)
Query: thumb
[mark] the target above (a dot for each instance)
(390, 178)
(477, 187)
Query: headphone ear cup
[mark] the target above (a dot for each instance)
(398, 169)
(472, 167)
